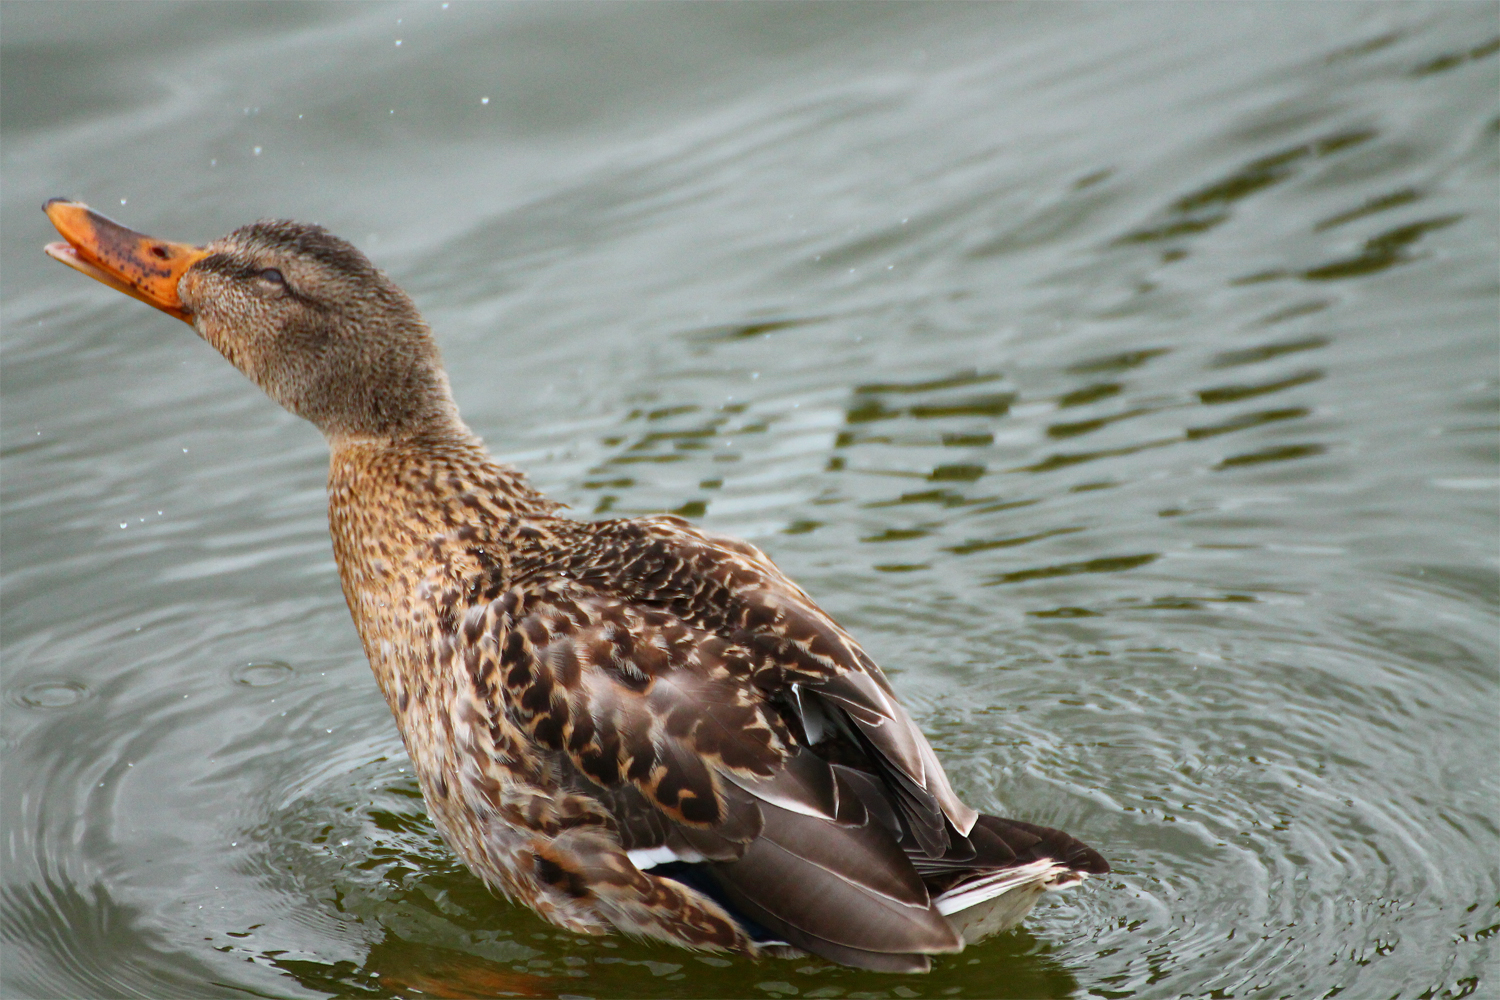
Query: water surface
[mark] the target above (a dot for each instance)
(1124, 376)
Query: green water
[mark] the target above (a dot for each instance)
(1125, 377)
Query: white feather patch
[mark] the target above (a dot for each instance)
(649, 857)
(1039, 874)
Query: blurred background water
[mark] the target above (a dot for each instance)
(1124, 376)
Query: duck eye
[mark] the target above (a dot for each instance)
(272, 275)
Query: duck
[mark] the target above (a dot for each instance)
(629, 725)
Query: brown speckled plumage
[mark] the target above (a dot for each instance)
(629, 725)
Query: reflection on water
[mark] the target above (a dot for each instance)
(1123, 377)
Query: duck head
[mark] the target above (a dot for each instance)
(299, 311)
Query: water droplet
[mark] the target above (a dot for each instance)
(51, 694)
(398, 43)
(256, 150)
(262, 673)
(122, 201)
(484, 100)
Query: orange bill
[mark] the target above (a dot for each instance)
(124, 259)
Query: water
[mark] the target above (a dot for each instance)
(1125, 377)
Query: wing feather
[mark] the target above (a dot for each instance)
(634, 695)
(732, 589)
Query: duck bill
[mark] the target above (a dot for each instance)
(138, 265)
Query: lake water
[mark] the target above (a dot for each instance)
(1125, 377)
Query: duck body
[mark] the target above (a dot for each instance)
(628, 725)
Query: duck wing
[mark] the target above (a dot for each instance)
(668, 726)
(799, 655)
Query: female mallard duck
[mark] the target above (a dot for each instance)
(628, 725)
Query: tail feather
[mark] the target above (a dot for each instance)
(1029, 842)
(838, 870)
(1012, 864)
(986, 887)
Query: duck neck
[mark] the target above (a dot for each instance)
(425, 473)
(418, 514)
